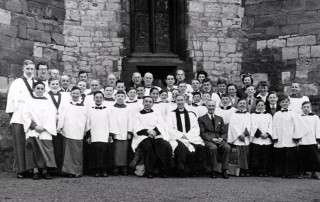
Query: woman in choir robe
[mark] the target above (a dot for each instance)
(72, 125)
(20, 91)
(98, 136)
(188, 147)
(239, 136)
(151, 137)
(296, 98)
(121, 130)
(285, 127)
(39, 125)
(309, 156)
(57, 99)
(226, 109)
(261, 134)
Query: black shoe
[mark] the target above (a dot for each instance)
(36, 176)
(225, 175)
(115, 173)
(149, 176)
(213, 175)
(125, 173)
(97, 175)
(20, 175)
(47, 176)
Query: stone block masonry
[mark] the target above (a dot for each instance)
(215, 37)
(285, 45)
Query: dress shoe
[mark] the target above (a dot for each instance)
(125, 173)
(225, 175)
(149, 175)
(97, 175)
(36, 176)
(213, 175)
(47, 176)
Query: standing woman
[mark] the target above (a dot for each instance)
(246, 81)
(19, 92)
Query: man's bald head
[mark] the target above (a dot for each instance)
(148, 78)
(95, 85)
(65, 81)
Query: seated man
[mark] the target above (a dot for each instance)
(150, 136)
(214, 134)
(184, 131)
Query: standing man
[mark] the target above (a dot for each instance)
(64, 83)
(136, 80)
(111, 80)
(42, 71)
(83, 76)
(207, 88)
(181, 76)
(148, 79)
(20, 91)
(213, 132)
(54, 73)
(170, 85)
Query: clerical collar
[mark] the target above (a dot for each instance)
(225, 107)
(310, 114)
(296, 96)
(120, 105)
(241, 111)
(144, 111)
(284, 110)
(181, 112)
(109, 99)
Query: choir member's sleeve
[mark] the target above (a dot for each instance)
(299, 128)
(61, 117)
(139, 129)
(88, 127)
(13, 96)
(254, 127)
(317, 120)
(270, 126)
(130, 120)
(27, 117)
(275, 126)
(50, 122)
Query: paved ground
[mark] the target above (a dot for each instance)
(133, 188)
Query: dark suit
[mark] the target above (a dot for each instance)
(271, 111)
(207, 133)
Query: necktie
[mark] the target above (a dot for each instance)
(273, 107)
(249, 102)
(212, 120)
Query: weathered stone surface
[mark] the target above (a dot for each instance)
(5, 17)
(304, 51)
(303, 40)
(290, 53)
(315, 51)
(301, 76)
(286, 77)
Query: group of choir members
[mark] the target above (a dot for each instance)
(181, 130)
